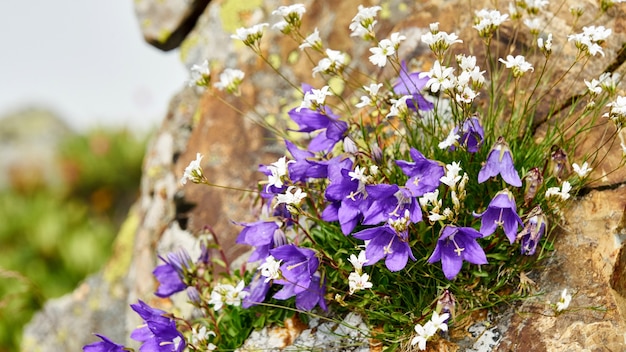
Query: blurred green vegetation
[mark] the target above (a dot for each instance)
(53, 235)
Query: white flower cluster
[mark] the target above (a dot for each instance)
(517, 64)
(313, 40)
(439, 41)
(371, 98)
(200, 75)
(250, 36)
(230, 80)
(291, 198)
(561, 193)
(589, 41)
(292, 17)
(385, 48)
(424, 333)
(464, 87)
(277, 170)
(606, 82)
(363, 23)
(332, 63)
(488, 21)
(227, 294)
(358, 280)
(617, 114)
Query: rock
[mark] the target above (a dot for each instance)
(587, 248)
(165, 24)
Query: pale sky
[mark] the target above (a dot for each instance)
(86, 60)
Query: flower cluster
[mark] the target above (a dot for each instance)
(429, 178)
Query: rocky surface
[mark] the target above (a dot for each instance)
(588, 246)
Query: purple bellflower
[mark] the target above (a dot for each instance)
(424, 174)
(412, 84)
(501, 211)
(305, 166)
(158, 333)
(312, 296)
(257, 291)
(535, 227)
(390, 202)
(332, 130)
(389, 243)
(171, 274)
(500, 161)
(455, 245)
(264, 235)
(297, 269)
(105, 345)
(347, 195)
(472, 135)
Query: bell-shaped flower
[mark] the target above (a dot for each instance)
(297, 269)
(256, 291)
(472, 135)
(424, 174)
(532, 232)
(389, 241)
(171, 274)
(158, 333)
(304, 165)
(313, 295)
(500, 161)
(264, 235)
(412, 84)
(455, 245)
(347, 195)
(502, 212)
(106, 345)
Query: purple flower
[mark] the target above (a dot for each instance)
(500, 161)
(533, 230)
(304, 165)
(264, 235)
(105, 345)
(424, 174)
(347, 195)
(297, 269)
(390, 202)
(171, 274)
(472, 135)
(501, 211)
(257, 291)
(332, 129)
(158, 333)
(455, 245)
(386, 242)
(312, 296)
(412, 84)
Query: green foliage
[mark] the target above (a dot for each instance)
(51, 238)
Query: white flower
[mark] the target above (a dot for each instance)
(609, 81)
(564, 302)
(362, 24)
(358, 262)
(533, 24)
(398, 106)
(292, 10)
(452, 174)
(290, 198)
(193, 172)
(588, 41)
(562, 193)
(449, 141)
(200, 335)
(466, 96)
(358, 174)
(230, 80)
(441, 78)
(430, 198)
(270, 269)
(534, 6)
(593, 86)
(227, 294)
(314, 98)
(439, 42)
(618, 111)
(278, 169)
(518, 64)
(582, 171)
(423, 334)
(313, 40)
(385, 48)
(433, 217)
(200, 74)
(358, 282)
(332, 63)
(250, 36)
(439, 321)
(488, 21)
(545, 45)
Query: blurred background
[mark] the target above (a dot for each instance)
(80, 94)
